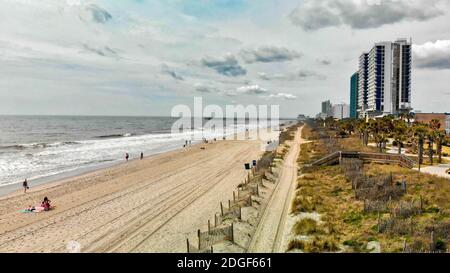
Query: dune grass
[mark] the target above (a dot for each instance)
(344, 224)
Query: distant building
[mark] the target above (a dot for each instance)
(327, 108)
(302, 118)
(322, 116)
(354, 82)
(444, 119)
(341, 111)
(384, 79)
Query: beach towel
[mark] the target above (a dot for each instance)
(36, 210)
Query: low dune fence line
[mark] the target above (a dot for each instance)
(213, 235)
(374, 190)
(382, 194)
(246, 195)
(432, 244)
(396, 226)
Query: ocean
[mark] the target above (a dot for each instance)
(38, 147)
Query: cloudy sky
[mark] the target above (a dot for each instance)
(142, 57)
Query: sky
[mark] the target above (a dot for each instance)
(143, 57)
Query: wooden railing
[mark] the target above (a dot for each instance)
(335, 158)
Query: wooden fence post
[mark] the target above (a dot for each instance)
(209, 227)
(433, 242)
(379, 222)
(221, 209)
(232, 232)
(199, 239)
(234, 196)
(187, 244)
(411, 225)
(421, 204)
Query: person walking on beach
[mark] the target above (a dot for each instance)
(25, 186)
(142, 155)
(127, 156)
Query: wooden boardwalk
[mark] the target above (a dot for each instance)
(336, 157)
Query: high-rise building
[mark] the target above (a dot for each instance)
(363, 75)
(385, 79)
(354, 82)
(327, 108)
(341, 111)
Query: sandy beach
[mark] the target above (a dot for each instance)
(151, 205)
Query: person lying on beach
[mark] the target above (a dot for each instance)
(46, 204)
(31, 209)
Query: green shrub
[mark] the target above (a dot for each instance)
(353, 218)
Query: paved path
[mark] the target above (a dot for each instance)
(439, 170)
(268, 236)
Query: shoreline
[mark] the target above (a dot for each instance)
(40, 183)
(145, 205)
(56, 179)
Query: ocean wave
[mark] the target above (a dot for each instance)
(38, 145)
(114, 136)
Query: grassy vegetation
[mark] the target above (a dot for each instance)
(315, 245)
(289, 133)
(306, 226)
(344, 225)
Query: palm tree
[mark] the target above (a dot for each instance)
(435, 126)
(400, 133)
(379, 129)
(420, 132)
(364, 129)
(330, 122)
(409, 117)
(439, 137)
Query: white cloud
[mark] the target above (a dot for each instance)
(54, 50)
(298, 76)
(227, 66)
(206, 88)
(269, 55)
(435, 55)
(251, 90)
(168, 71)
(284, 96)
(363, 14)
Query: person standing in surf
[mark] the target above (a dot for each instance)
(25, 186)
(142, 155)
(127, 156)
